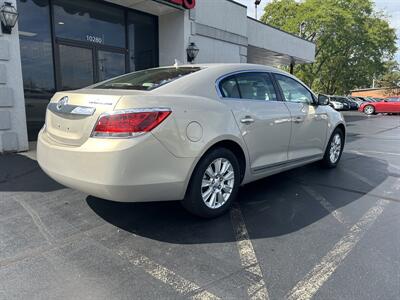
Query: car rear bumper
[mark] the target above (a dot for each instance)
(128, 170)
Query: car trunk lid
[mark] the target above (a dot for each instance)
(71, 116)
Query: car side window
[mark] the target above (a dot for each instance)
(248, 86)
(256, 86)
(293, 91)
(229, 88)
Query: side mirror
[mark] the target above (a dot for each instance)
(323, 100)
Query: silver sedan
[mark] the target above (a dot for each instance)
(193, 133)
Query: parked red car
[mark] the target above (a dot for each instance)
(389, 105)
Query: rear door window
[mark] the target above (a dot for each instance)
(229, 88)
(249, 86)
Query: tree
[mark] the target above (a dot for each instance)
(353, 42)
(391, 80)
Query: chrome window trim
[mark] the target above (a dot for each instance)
(124, 111)
(219, 79)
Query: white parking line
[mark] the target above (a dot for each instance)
(36, 219)
(311, 283)
(178, 283)
(257, 289)
(394, 166)
(337, 214)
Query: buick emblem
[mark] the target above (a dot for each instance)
(62, 102)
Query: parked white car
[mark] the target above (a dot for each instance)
(336, 105)
(192, 133)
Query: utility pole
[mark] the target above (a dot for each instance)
(302, 28)
(291, 66)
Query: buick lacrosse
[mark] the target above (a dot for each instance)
(193, 133)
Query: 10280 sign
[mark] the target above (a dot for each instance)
(94, 39)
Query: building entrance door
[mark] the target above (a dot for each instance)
(82, 64)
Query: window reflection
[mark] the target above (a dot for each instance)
(91, 40)
(36, 48)
(90, 22)
(293, 91)
(110, 64)
(76, 66)
(142, 30)
(36, 60)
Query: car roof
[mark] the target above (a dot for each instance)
(195, 83)
(229, 67)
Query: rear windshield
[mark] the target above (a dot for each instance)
(147, 80)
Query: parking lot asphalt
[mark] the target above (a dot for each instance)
(308, 233)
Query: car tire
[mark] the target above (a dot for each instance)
(211, 193)
(334, 150)
(369, 109)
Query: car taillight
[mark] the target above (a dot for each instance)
(129, 123)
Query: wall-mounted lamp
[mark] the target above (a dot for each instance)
(192, 51)
(256, 4)
(8, 17)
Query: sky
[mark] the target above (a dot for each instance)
(390, 7)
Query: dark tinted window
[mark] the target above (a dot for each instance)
(256, 86)
(89, 21)
(110, 64)
(76, 67)
(229, 88)
(143, 40)
(147, 79)
(340, 99)
(294, 91)
(252, 86)
(36, 48)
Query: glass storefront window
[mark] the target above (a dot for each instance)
(110, 64)
(76, 67)
(89, 21)
(36, 60)
(36, 47)
(70, 44)
(142, 37)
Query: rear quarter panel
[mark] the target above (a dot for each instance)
(212, 121)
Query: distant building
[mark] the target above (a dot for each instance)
(373, 92)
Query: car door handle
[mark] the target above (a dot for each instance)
(298, 120)
(247, 120)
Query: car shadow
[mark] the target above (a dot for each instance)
(355, 118)
(273, 206)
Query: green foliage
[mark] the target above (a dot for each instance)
(353, 42)
(391, 79)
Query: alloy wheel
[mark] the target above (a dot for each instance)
(369, 109)
(335, 148)
(218, 182)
